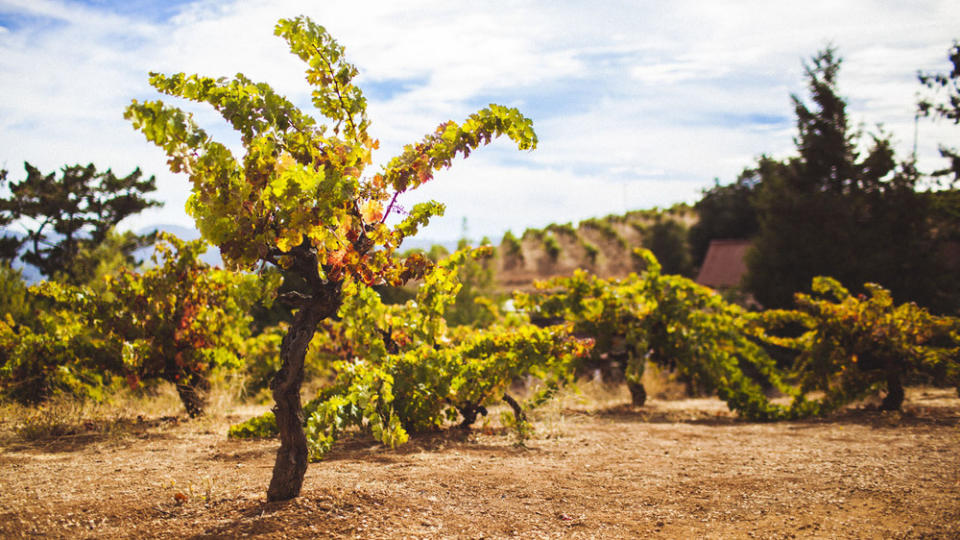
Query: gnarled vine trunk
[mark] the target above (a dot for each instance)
(291, 463)
(518, 413)
(193, 394)
(470, 412)
(638, 393)
(895, 394)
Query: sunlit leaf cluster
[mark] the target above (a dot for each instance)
(851, 346)
(301, 194)
(175, 321)
(410, 372)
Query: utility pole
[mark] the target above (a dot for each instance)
(916, 128)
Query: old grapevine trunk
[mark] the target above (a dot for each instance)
(291, 464)
(192, 390)
(895, 394)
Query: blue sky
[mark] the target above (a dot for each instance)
(637, 104)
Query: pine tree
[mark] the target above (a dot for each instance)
(830, 211)
(67, 217)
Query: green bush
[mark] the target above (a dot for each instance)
(855, 346)
(410, 372)
(551, 245)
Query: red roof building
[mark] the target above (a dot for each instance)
(725, 264)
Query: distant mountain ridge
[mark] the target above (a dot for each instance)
(211, 256)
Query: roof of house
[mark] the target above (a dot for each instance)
(725, 264)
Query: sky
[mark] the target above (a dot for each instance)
(636, 104)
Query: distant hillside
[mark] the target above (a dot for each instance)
(603, 246)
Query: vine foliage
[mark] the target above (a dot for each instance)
(409, 372)
(176, 321)
(852, 347)
(300, 199)
(673, 322)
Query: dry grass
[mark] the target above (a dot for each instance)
(66, 416)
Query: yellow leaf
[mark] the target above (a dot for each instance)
(318, 233)
(346, 223)
(289, 240)
(284, 162)
(371, 211)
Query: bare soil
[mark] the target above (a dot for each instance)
(672, 469)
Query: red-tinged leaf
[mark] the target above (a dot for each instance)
(371, 211)
(336, 258)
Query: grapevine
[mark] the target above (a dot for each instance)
(300, 198)
(175, 321)
(412, 373)
(852, 347)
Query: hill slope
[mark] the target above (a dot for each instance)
(603, 246)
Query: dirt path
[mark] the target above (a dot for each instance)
(671, 470)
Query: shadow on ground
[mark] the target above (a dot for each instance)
(66, 438)
(869, 415)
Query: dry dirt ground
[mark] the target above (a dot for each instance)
(673, 469)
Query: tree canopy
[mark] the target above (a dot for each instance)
(66, 217)
(841, 207)
(724, 212)
(943, 102)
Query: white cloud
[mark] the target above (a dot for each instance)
(653, 99)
